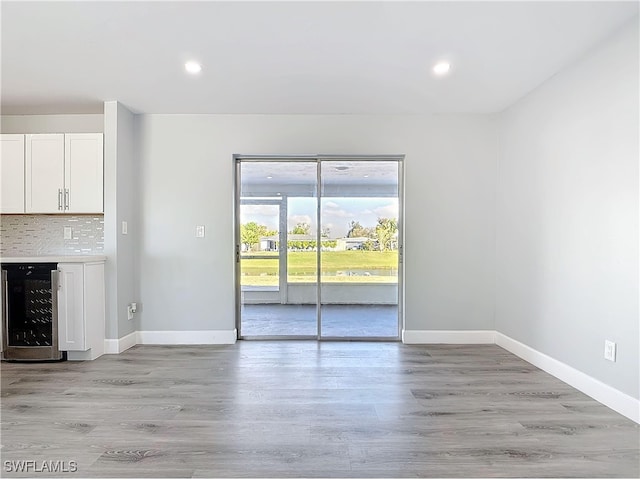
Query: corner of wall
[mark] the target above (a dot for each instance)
(121, 191)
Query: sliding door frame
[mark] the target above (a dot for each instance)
(237, 203)
(319, 159)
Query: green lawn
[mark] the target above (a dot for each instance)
(366, 266)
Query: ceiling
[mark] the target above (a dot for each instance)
(291, 57)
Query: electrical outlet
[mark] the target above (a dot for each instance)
(610, 350)
(200, 231)
(68, 233)
(129, 312)
(124, 228)
(134, 307)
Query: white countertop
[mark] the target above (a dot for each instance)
(55, 259)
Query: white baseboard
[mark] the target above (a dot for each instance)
(196, 337)
(615, 399)
(119, 345)
(448, 336)
(603, 393)
(205, 337)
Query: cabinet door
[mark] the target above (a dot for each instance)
(71, 325)
(83, 173)
(44, 186)
(11, 173)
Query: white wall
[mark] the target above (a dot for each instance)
(567, 215)
(121, 204)
(187, 179)
(127, 210)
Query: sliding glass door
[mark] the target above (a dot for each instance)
(276, 267)
(359, 211)
(318, 244)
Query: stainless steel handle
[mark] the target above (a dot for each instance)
(55, 286)
(55, 280)
(5, 311)
(59, 199)
(66, 199)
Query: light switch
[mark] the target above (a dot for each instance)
(124, 228)
(68, 233)
(199, 231)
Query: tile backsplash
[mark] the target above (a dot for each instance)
(28, 235)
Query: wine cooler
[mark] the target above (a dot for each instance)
(30, 312)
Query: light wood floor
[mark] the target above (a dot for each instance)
(307, 409)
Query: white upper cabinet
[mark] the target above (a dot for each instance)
(83, 172)
(11, 173)
(64, 173)
(45, 173)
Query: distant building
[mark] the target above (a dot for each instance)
(296, 242)
(269, 243)
(351, 243)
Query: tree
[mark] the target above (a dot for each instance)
(250, 233)
(301, 229)
(386, 230)
(370, 245)
(357, 230)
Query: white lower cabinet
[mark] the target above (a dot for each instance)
(81, 310)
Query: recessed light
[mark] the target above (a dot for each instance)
(269, 176)
(441, 68)
(366, 176)
(193, 67)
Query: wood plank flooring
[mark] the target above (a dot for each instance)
(308, 409)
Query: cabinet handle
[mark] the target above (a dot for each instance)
(66, 199)
(55, 285)
(59, 199)
(5, 311)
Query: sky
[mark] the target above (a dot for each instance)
(337, 213)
